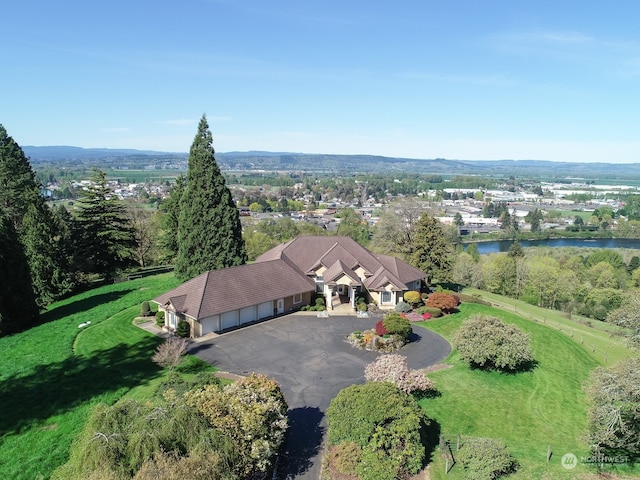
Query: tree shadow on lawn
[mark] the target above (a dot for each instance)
(82, 305)
(60, 387)
(303, 442)
(523, 367)
(430, 439)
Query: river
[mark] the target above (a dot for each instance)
(504, 245)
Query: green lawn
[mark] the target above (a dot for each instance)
(53, 374)
(597, 338)
(530, 411)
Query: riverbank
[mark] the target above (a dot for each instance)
(496, 246)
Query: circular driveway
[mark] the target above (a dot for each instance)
(311, 360)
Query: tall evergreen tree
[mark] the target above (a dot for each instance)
(18, 309)
(18, 185)
(432, 252)
(170, 217)
(209, 230)
(33, 221)
(40, 235)
(107, 239)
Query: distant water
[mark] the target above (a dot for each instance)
(504, 245)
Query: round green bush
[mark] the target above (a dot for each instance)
(386, 423)
(145, 310)
(403, 307)
(396, 324)
(160, 318)
(412, 297)
(486, 459)
(184, 329)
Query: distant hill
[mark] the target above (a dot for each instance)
(64, 152)
(325, 163)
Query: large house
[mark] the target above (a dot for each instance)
(284, 279)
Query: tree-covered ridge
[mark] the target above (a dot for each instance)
(596, 283)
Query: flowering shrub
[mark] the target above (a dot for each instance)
(393, 368)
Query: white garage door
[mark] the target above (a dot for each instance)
(265, 310)
(230, 319)
(209, 325)
(248, 314)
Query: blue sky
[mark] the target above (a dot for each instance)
(518, 79)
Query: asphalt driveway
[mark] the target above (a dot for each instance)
(311, 360)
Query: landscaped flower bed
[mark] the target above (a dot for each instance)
(370, 340)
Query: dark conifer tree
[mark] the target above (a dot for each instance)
(106, 238)
(18, 185)
(40, 235)
(18, 308)
(33, 221)
(209, 231)
(432, 252)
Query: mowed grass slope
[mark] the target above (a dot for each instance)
(52, 375)
(530, 411)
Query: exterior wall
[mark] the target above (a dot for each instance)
(290, 306)
(377, 296)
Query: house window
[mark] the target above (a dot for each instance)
(297, 298)
(319, 284)
(385, 297)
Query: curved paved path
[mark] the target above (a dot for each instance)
(310, 359)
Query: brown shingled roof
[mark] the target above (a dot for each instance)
(219, 291)
(310, 252)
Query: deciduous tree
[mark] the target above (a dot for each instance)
(614, 412)
(488, 342)
(627, 316)
(170, 209)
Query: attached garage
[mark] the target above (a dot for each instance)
(209, 325)
(248, 314)
(230, 319)
(265, 310)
